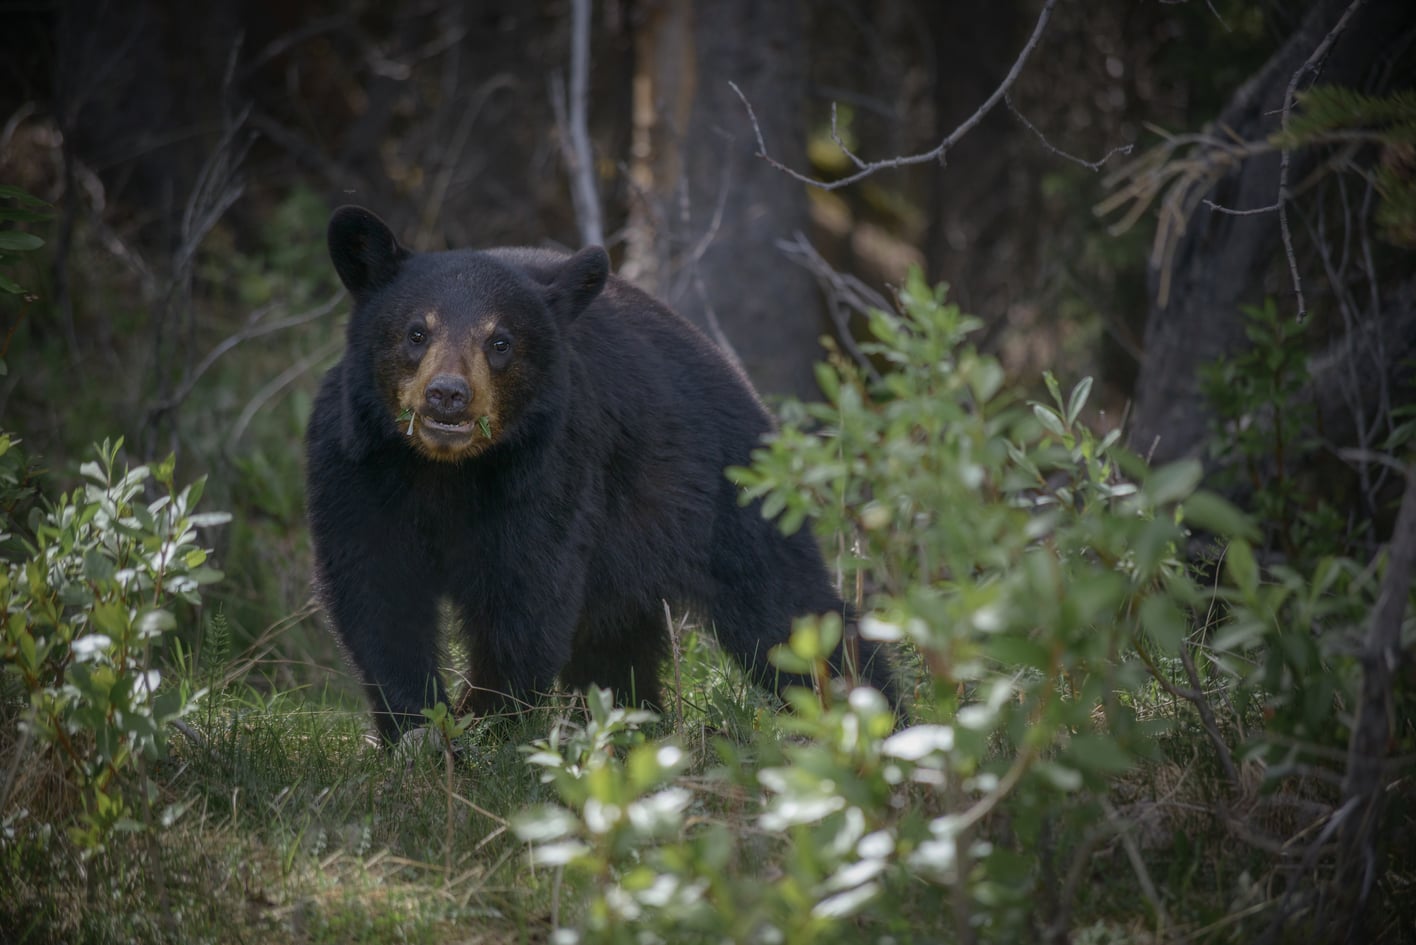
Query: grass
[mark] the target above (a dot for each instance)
(288, 824)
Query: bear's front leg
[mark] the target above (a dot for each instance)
(387, 622)
(518, 633)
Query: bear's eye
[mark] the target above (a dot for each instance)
(417, 335)
(501, 346)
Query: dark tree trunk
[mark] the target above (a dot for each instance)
(1225, 261)
(707, 213)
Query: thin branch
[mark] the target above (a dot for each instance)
(1089, 165)
(1381, 659)
(938, 153)
(255, 327)
(1138, 865)
(452, 158)
(274, 387)
(844, 294)
(1313, 64)
(1230, 211)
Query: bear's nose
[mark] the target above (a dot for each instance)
(447, 394)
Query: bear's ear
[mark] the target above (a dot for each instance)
(578, 282)
(365, 253)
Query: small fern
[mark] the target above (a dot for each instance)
(217, 649)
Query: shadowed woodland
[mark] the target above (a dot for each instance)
(1125, 288)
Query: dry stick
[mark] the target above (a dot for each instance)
(938, 153)
(448, 759)
(842, 291)
(437, 194)
(1138, 864)
(275, 386)
(1367, 748)
(1202, 705)
(255, 327)
(1042, 138)
(1312, 64)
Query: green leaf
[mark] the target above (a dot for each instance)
(1049, 419)
(1152, 546)
(1164, 622)
(156, 622)
(1099, 753)
(22, 196)
(828, 380)
(16, 241)
(208, 519)
(98, 566)
(1062, 778)
(1014, 651)
(1078, 400)
(1239, 564)
(1053, 387)
(1174, 481)
(1212, 513)
(17, 215)
(205, 575)
(986, 380)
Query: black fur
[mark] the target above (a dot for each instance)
(601, 497)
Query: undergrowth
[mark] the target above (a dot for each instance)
(1107, 742)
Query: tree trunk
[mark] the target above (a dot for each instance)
(1224, 261)
(706, 214)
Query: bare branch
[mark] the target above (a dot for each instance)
(1089, 165)
(844, 294)
(1313, 64)
(1251, 212)
(938, 153)
(1138, 864)
(1367, 749)
(275, 386)
(452, 158)
(571, 119)
(255, 327)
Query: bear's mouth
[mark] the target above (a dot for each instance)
(456, 429)
(447, 439)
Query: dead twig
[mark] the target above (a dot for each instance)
(1053, 149)
(939, 152)
(845, 295)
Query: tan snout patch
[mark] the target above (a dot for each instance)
(479, 426)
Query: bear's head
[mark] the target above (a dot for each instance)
(453, 352)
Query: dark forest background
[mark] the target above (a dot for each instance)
(173, 137)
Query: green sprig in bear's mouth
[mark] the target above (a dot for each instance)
(484, 422)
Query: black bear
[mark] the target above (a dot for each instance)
(542, 446)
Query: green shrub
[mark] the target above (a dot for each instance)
(104, 577)
(1064, 649)
(1005, 547)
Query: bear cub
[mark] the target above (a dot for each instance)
(539, 444)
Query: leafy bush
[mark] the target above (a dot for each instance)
(104, 577)
(1063, 645)
(1000, 542)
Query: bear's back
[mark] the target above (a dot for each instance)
(630, 350)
